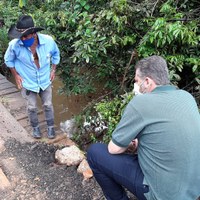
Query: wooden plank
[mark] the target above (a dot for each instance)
(2, 77)
(21, 116)
(6, 85)
(16, 102)
(15, 97)
(25, 122)
(16, 105)
(3, 80)
(8, 91)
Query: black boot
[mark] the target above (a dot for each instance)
(36, 133)
(51, 133)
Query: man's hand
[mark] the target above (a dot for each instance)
(132, 148)
(52, 75)
(53, 72)
(18, 80)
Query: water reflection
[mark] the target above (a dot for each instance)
(65, 107)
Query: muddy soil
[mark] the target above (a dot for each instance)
(34, 174)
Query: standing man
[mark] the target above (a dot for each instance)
(32, 59)
(166, 123)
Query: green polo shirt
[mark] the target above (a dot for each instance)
(167, 125)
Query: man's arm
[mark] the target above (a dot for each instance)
(53, 72)
(9, 58)
(114, 149)
(55, 59)
(17, 77)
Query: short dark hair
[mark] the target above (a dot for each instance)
(154, 67)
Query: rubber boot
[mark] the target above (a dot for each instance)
(51, 132)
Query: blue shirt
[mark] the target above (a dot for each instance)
(167, 125)
(21, 58)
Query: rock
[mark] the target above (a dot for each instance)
(84, 168)
(4, 181)
(69, 155)
(88, 174)
(2, 148)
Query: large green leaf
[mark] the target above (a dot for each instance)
(22, 3)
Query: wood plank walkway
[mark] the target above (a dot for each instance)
(11, 98)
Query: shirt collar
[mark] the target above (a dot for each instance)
(40, 39)
(164, 88)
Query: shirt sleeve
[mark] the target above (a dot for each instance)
(130, 125)
(55, 54)
(9, 57)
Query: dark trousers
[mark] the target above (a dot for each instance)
(114, 172)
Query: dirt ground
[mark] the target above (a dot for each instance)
(34, 174)
(28, 165)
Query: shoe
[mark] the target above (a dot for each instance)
(51, 133)
(36, 133)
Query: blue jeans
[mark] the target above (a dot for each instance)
(114, 172)
(46, 97)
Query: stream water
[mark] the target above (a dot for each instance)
(65, 107)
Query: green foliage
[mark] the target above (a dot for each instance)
(6, 19)
(86, 41)
(176, 37)
(100, 37)
(96, 39)
(107, 112)
(22, 3)
(3, 42)
(111, 111)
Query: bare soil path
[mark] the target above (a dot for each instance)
(34, 174)
(28, 169)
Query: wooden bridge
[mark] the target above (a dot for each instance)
(11, 98)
